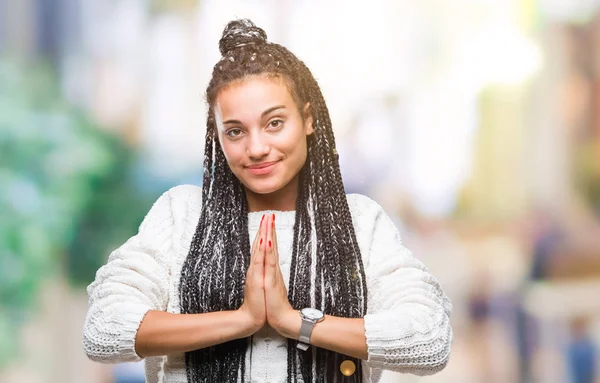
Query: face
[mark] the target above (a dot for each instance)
(262, 133)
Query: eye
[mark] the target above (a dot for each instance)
(275, 124)
(232, 133)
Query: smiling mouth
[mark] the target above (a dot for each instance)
(262, 169)
(262, 166)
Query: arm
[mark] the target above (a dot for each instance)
(411, 335)
(343, 335)
(163, 333)
(126, 319)
(407, 326)
(133, 281)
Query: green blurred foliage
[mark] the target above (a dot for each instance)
(65, 188)
(108, 219)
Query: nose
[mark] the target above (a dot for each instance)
(258, 146)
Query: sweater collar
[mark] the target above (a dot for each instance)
(283, 219)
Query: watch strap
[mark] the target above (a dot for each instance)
(303, 346)
(306, 331)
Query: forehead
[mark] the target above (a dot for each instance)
(253, 95)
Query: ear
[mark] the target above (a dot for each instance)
(308, 119)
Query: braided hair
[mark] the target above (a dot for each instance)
(326, 270)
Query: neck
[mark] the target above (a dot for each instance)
(283, 199)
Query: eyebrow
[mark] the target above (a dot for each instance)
(263, 114)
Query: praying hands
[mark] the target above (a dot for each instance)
(265, 294)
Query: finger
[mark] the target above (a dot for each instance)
(255, 243)
(259, 256)
(258, 240)
(274, 235)
(273, 239)
(254, 250)
(270, 260)
(258, 234)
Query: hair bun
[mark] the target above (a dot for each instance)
(242, 32)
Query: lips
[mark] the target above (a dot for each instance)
(262, 169)
(262, 166)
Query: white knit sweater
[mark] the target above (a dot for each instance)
(407, 325)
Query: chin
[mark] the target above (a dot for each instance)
(265, 187)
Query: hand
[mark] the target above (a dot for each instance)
(253, 307)
(280, 313)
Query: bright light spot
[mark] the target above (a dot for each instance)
(500, 55)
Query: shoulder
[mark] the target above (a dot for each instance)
(365, 214)
(369, 216)
(174, 205)
(184, 193)
(185, 200)
(362, 206)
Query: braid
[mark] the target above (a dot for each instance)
(326, 270)
(215, 288)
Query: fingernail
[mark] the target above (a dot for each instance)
(262, 219)
(269, 243)
(261, 241)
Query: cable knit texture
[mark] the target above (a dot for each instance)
(407, 324)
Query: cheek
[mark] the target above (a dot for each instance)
(230, 152)
(297, 150)
(294, 141)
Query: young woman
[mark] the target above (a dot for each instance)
(324, 292)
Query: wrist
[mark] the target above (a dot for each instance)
(309, 319)
(248, 325)
(289, 325)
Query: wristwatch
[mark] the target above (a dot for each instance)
(310, 317)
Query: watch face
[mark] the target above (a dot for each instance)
(313, 314)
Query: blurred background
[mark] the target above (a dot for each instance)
(475, 123)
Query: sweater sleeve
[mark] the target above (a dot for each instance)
(133, 281)
(407, 325)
